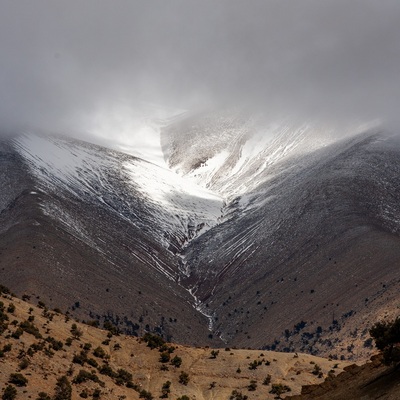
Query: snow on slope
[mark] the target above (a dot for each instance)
(233, 155)
(149, 196)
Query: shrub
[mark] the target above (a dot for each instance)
(18, 380)
(123, 376)
(30, 328)
(317, 371)
(165, 390)
(87, 346)
(153, 341)
(76, 332)
(164, 357)
(105, 369)
(84, 376)
(17, 334)
(387, 337)
(99, 352)
(11, 308)
(43, 396)
(252, 386)
(63, 389)
(24, 363)
(184, 378)
(144, 394)
(7, 347)
(92, 362)
(176, 361)
(267, 380)
(10, 393)
(278, 389)
(214, 353)
(55, 344)
(80, 358)
(236, 395)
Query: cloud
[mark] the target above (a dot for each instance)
(62, 62)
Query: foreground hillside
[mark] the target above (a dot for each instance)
(45, 351)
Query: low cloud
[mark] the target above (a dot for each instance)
(64, 62)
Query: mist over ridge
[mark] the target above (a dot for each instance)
(65, 64)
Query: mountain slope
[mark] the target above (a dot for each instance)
(266, 235)
(49, 345)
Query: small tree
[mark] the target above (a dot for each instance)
(387, 339)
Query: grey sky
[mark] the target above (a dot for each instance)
(62, 60)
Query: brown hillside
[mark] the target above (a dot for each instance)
(42, 356)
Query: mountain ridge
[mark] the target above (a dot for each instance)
(179, 252)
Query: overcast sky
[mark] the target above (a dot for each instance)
(63, 61)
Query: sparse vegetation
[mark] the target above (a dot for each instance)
(237, 395)
(252, 386)
(39, 338)
(278, 389)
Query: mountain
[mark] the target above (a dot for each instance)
(275, 235)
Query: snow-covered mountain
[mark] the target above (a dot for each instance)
(244, 231)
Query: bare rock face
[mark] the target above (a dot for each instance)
(275, 236)
(371, 380)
